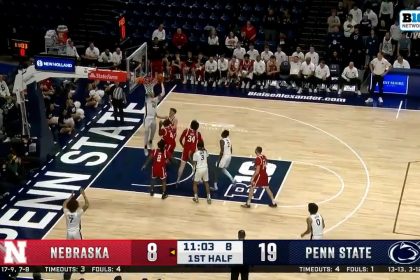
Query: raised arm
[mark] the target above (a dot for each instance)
(86, 205)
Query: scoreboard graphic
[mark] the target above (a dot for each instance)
(120, 256)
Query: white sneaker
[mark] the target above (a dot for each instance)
(358, 93)
(243, 85)
(327, 90)
(247, 85)
(253, 86)
(277, 86)
(266, 85)
(293, 85)
(369, 100)
(205, 84)
(184, 81)
(299, 91)
(214, 84)
(146, 152)
(380, 100)
(315, 90)
(310, 90)
(195, 82)
(339, 92)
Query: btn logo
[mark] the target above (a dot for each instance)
(410, 20)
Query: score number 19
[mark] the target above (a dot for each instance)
(268, 252)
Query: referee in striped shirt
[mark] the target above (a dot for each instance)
(118, 100)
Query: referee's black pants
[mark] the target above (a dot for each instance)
(377, 79)
(118, 109)
(242, 270)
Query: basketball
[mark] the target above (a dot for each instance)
(159, 78)
(140, 80)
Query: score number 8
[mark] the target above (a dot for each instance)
(151, 252)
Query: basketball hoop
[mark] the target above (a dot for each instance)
(149, 84)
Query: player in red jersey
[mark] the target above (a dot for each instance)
(260, 179)
(166, 132)
(159, 159)
(189, 139)
(247, 68)
(174, 120)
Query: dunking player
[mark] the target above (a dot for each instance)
(159, 159)
(315, 223)
(189, 139)
(225, 157)
(260, 179)
(201, 171)
(167, 134)
(73, 213)
(150, 115)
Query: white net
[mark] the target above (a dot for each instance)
(138, 64)
(149, 83)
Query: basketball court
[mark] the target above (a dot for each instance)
(352, 161)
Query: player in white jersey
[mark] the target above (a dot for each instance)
(150, 115)
(225, 157)
(201, 171)
(315, 223)
(73, 213)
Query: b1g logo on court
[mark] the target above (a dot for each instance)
(410, 20)
(14, 252)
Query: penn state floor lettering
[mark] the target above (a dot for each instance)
(124, 174)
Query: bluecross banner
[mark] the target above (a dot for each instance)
(394, 83)
(55, 64)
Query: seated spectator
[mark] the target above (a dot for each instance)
(176, 67)
(180, 41)
(404, 46)
(95, 96)
(365, 27)
(210, 72)
(188, 70)
(266, 54)
(252, 52)
(233, 71)
(246, 71)
(273, 70)
(322, 76)
(372, 17)
(200, 68)
(258, 76)
(307, 70)
(160, 34)
(350, 76)
(335, 59)
(280, 55)
(342, 12)
(239, 51)
(313, 55)
(295, 65)
(333, 21)
(299, 54)
(105, 57)
(243, 40)
(15, 173)
(71, 50)
(66, 122)
(356, 13)
(213, 43)
(76, 113)
(222, 67)
(156, 50)
(348, 26)
(386, 47)
(92, 53)
(386, 12)
(47, 91)
(401, 63)
(117, 58)
(230, 43)
(250, 32)
(372, 46)
(4, 91)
